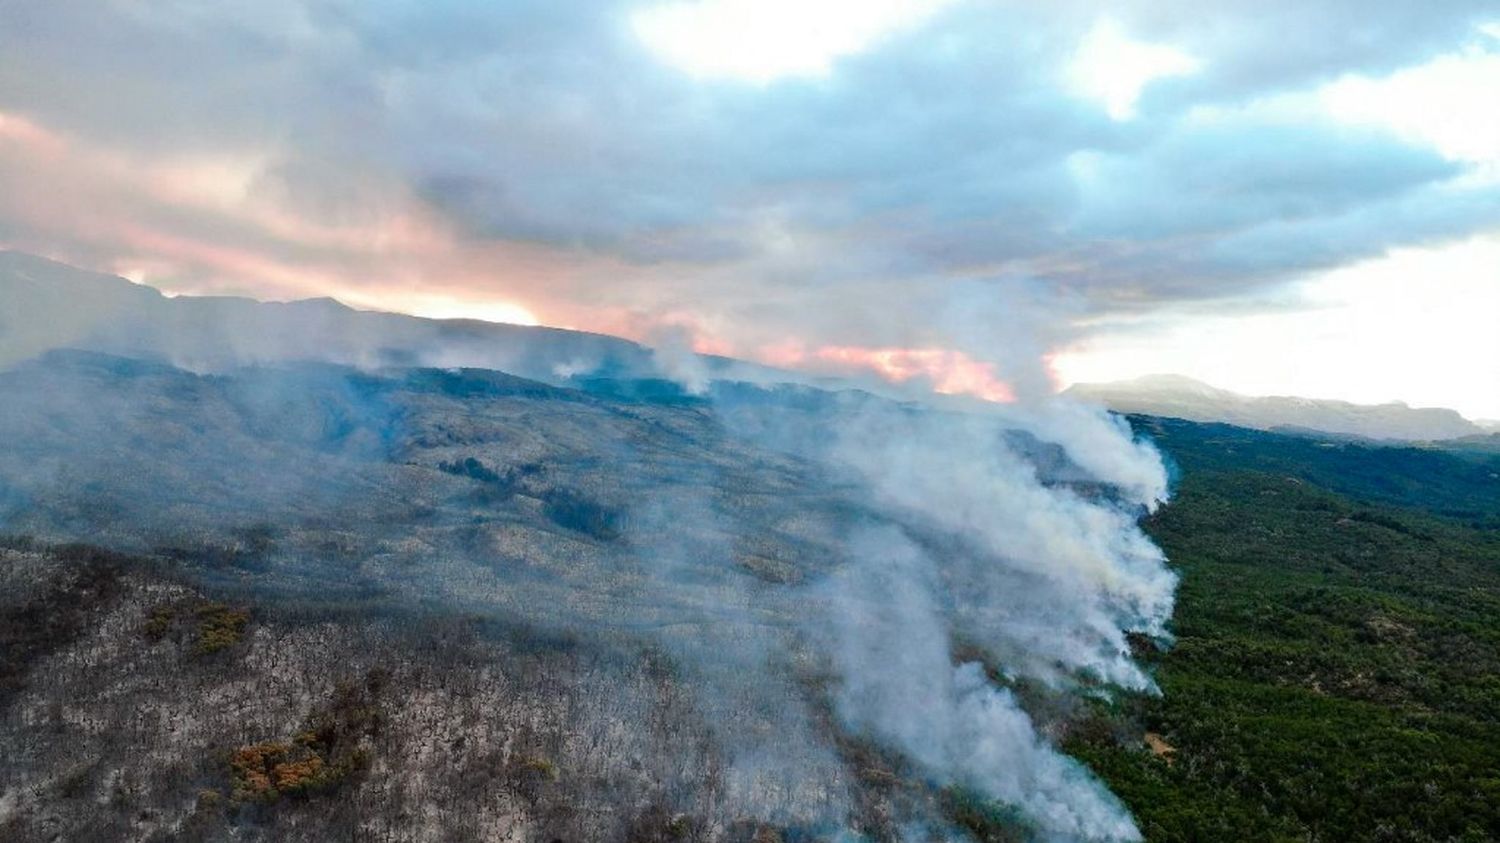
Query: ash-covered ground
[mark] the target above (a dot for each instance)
(432, 604)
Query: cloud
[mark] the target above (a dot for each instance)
(1232, 173)
(897, 169)
(1442, 103)
(1287, 44)
(751, 40)
(1114, 69)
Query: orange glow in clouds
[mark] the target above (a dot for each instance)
(17, 129)
(201, 223)
(950, 372)
(208, 223)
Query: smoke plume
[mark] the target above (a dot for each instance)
(818, 566)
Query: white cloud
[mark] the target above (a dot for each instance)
(763, 40)
(1113, 68)
(1448, 103)
(1416, 325)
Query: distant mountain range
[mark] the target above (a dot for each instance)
(47, 305)
(1182, 397)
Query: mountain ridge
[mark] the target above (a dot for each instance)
(1179, 396)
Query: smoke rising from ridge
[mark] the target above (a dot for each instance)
(1044, 574)
(806, 560)
(891, 644)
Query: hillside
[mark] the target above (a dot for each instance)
(1335, 675)
(619, 613)
(342, 602)
(252, 594)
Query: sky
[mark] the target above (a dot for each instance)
(996, 198)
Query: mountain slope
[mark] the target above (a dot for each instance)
(144, 716)
(519, 608)
(1335, 675)
(723, 552)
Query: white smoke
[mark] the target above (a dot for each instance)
(672, 352)
(1098, 442)
(891, 645)
(1045, 577)
(1010, 529)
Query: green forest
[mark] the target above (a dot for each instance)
(1336, 669)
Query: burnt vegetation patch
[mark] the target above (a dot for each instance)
(217, 556)
(563, 506)
(496, 486)
(63, 609)
(573, 511)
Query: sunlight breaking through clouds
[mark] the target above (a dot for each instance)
(1448, 103)
(764, 40)
(1113, 68)
(450, 306)
(1416, 325)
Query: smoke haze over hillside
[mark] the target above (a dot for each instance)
(791, 550)
(705, 360)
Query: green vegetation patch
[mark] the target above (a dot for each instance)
(210, 627)
(220, 627)
(1337, 669)
(985, 820)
